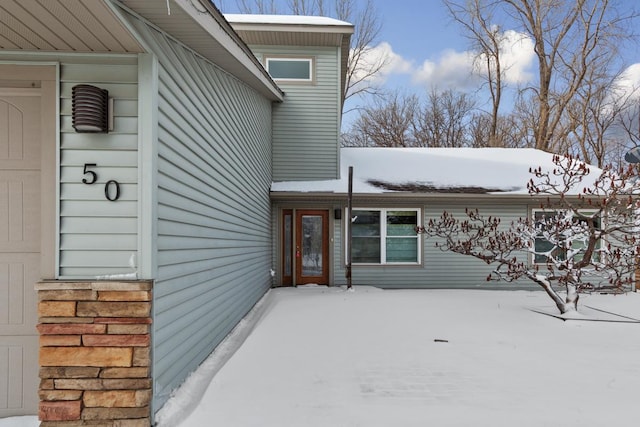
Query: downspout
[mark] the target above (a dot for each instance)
(348, 222)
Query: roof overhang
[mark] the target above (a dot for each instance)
(76, 26)
(97, 26)
(409, 196)
(201, 26)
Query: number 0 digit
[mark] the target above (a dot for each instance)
(112, 195)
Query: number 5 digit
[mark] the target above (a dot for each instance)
(93, 176)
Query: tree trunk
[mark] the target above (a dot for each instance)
(565, 305)
(571, 301)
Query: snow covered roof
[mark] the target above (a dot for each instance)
(433, 170)
(237, 18)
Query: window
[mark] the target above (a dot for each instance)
(385, 236)
(291, 69)
(543, 246)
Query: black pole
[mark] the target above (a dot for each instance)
(348, 223)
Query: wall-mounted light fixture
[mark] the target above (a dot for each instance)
(91, 109)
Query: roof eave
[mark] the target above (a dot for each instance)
(199, 25)
(296, 195)
(302, 28)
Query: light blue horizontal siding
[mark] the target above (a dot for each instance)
(214, 235)
(439, 269)
(306, 124)
(98, 237)
(85, 226)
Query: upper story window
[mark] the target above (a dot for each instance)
(291, 69)
(385, 236)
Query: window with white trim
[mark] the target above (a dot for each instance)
(385, 236)
(290, 69)
(543, 246)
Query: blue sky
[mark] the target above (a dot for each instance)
(418, 29)
(426, 49)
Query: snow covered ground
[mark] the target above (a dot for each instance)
(31, 421)
(317, 356)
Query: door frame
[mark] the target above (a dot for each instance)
(291, 253)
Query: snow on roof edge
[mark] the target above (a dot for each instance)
(241, 18)
(433, 171)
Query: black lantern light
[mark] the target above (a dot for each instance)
(90, 109)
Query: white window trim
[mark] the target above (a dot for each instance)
(310, 59)
(383, 235)
(533, 216)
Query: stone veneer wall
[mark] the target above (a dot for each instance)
(95, 357)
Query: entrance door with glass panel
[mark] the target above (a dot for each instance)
(305, 248)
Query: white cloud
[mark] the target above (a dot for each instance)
(395, 64)
(462, 70)
(382, 56)
(453, 69)
(629, 82)
(517, 54)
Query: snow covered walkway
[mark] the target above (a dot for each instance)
(317, 356)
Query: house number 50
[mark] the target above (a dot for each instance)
(111, 187)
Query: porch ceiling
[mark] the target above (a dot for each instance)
(94, 26)
(63, 26)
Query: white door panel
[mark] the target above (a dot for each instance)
(20, 243)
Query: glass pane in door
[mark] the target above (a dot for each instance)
(287, 266)
(312, 245)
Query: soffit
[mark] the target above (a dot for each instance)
(290, 37)
(63, 26)
(94, 26)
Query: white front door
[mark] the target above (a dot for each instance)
(20, 247)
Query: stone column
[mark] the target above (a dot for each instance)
(95, 364)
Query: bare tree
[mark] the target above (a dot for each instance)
(306, 7)
(628, 127)
(629, 121)
(264, 7)
(479, 129)
(596, 112)
(442, 121)
(584, 238)
(389, 123)
(397, 120)
(477, 19)
(363, 64)
(571, 39)
(508, 132)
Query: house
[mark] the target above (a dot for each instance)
(162, 166)
(396, 190)
(139, 140)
